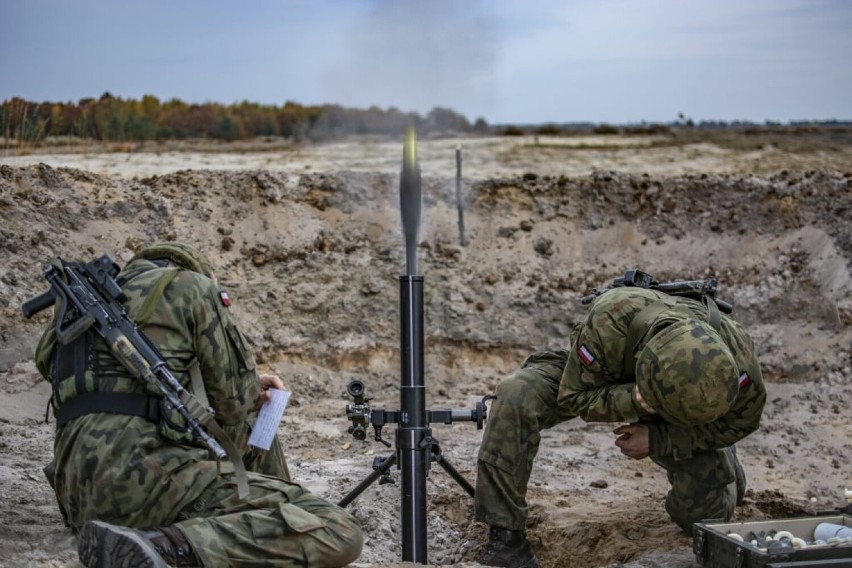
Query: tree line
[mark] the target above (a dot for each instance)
(111, 118)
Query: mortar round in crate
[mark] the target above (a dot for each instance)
(775, 543)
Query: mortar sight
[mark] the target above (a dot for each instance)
(359, 412)
(355, 388)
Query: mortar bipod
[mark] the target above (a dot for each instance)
(362, 415)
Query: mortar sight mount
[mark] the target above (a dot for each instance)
(362, 416)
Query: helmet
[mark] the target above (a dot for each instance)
(687, 373)
(180, 254)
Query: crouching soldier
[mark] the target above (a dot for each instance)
(681, 376)
(129, 475)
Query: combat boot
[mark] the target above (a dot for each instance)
(102, 545)
(509, 549)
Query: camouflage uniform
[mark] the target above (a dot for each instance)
(130, 471)
(594, 380)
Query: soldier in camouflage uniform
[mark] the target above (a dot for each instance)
(129, 476)
(683, 378)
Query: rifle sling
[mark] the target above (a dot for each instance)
(147, 407)
(207, 420)
(714, 316)
(197, 404)
(154, 295)
(198, 389)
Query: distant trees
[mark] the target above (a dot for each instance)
(111, 118)
(23, 120)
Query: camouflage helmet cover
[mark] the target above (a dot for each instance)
(687, 373)
(181, 254)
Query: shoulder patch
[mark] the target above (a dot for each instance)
(226, 299)
(744, 380)
(585, 355)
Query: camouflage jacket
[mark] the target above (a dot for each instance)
(113, 466)
(602, 391)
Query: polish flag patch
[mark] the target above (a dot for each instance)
(585, 355)
(226, 299)
(744, 380)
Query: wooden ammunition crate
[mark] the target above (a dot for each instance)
(714, 548)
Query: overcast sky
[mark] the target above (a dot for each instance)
(524, 61)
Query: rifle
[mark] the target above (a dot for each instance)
(90, 290)
(694, 289)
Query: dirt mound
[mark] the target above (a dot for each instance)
(312, 261)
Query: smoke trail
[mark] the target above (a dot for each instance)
(416, 56)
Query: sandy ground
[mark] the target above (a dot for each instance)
(307, 240)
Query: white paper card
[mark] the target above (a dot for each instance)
(268, 419)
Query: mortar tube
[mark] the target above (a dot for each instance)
(413, 435)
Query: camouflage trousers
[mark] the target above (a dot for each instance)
(702, 487)
(280, 524)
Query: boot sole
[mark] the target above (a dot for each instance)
(102, 545)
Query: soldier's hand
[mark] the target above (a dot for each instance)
(633, 440)
(270, 381)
